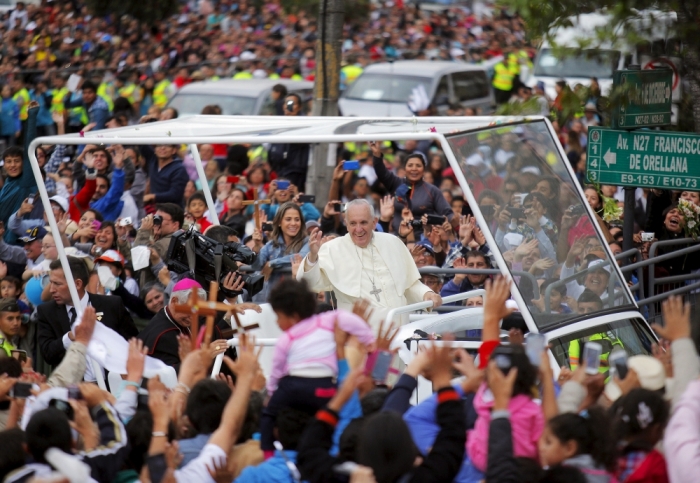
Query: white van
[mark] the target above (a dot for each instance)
(384, 89)
(660, 49)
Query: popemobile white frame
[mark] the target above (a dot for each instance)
(271, 129)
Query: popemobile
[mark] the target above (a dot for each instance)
(484, 153)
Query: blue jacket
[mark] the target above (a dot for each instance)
(169, 183)
(44, 100)
(422, 423)
(16, 190)
(278, 260)
(97, 112)
(110, 205)
(273, 470)
(9, 118)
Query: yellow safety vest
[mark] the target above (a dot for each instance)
(23, 94)
(296, 77)
(503, 77)
(274, 76)
(351, 72)
(513, 65)
(57, 100)
(160, 98)
(244, 74)
(6, 345)
(524, 57)
(607, 341)
(106, 92)
(127, 92)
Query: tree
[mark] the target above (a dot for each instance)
(636, 18)
(148, 12)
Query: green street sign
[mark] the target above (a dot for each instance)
(649, 98)
(644, 159)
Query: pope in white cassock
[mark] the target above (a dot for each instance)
(365, 264)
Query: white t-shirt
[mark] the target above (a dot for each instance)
(197, 469)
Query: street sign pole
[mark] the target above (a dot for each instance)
(648, 104)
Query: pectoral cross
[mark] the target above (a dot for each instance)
(375, 291)
(198, 307)
(256, 206)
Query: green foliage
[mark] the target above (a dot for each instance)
(146, 12)
(518, 108)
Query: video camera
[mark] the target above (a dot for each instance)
(207, 260)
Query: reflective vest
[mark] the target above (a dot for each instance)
(351, 72)
(6, 345)
(244, 74)
(57, 100)
(106, 92)
(127, 92)
(296, 77)
(274, 76)
(502, 78)
(525, 59)
(606, 339)
(160, 97)
(22, 94)
(513, 65)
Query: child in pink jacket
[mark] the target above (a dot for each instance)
(304, 365)
(526, 417)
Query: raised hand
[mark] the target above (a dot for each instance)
(374, 146)
(543, 264)
(386, 208)
(63, 222)
(439, 368)
(466, 229)
(385, 338)
(501, 385)
(314, 245)
(464, 363)
(329, 210)
(117, 151)
(479, 236)
(135, 360)
(296, 263)
(497, 292)
(84, 331)
(676, 316)
(362, 308)
(525, 248)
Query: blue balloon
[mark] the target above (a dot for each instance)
(33, 290)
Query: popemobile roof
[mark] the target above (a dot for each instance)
(262, 129)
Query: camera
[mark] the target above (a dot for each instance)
(576, 210)
(207, 260)
(289, 105)
(415, 224)
(157, 220)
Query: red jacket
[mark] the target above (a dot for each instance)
(78, 204)
(652, 470)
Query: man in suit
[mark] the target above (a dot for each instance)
(55, 318)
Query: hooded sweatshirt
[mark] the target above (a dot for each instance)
(527, 421)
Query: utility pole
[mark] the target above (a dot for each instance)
(326, 93)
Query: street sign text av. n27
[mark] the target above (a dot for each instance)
(645, 159)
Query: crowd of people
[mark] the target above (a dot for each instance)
(334, 407)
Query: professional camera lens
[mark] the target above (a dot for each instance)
(157, 220)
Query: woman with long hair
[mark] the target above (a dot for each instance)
(234, 215)
(288, 238)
